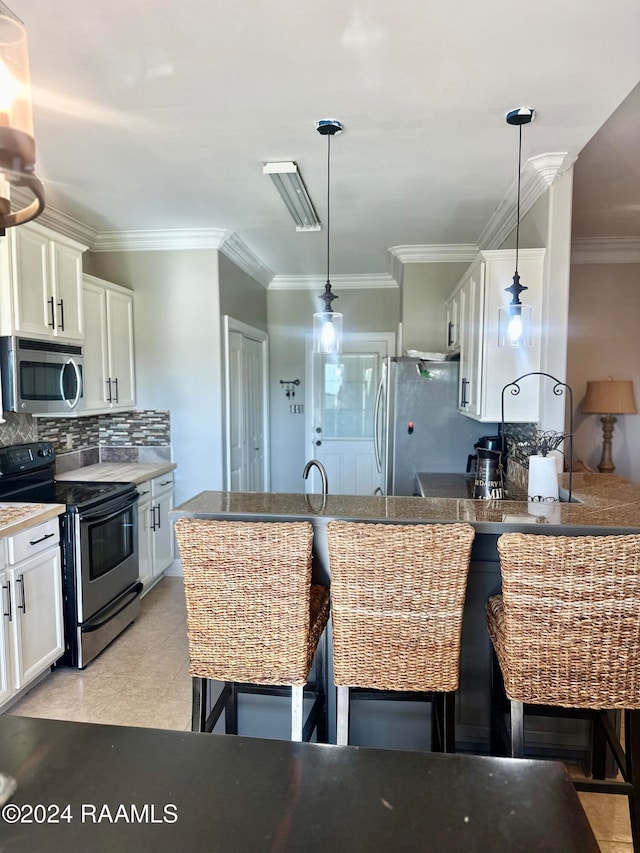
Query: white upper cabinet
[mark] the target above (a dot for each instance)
(109, 373)
(485, 367)
(41, 284)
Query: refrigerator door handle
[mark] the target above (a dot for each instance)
(376, 423)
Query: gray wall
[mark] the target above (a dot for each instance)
(241, 296)
(290, 315)
(604, 309)
(424, 293)
(177, 345)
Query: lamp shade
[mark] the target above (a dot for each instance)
(609, 397)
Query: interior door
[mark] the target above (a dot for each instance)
(246, 442)
(344, 390)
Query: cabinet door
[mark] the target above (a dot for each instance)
(66, 287)
(120, 332)
(471, 318)
(37, 626)
(475, 304)
(6, 611)
(452, 330)
(34, 305)
(163, 534)
(95, 347)
(145, 555)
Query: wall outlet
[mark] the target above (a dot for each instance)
(296, 408)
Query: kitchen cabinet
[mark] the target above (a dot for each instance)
(154, 529)
(453, 323)
(485, 368)
(41, 290)
(32, 634)
(108, 348)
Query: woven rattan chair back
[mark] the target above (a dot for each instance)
(568, 625)
(247, 588)
(397, 596)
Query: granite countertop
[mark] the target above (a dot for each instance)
(606, 501)
(118, 472)
(15, 517)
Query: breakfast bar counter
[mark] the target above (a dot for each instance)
(607, 505)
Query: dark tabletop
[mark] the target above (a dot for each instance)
(200, 792)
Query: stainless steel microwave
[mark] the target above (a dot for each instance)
(41, 377)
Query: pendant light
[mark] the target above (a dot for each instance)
(514, 319)
(17, 145)
(327, 324)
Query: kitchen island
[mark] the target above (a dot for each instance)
(606, 505)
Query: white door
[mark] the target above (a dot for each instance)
(247, 468)
(340, 416)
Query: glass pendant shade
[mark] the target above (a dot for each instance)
(16, 124)
(514, 326)
(327, 332)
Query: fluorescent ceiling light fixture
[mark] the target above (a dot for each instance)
(288, 181)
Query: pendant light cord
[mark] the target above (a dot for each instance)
(328, 201)
(518, 203)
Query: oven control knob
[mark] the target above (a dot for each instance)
(45, 451)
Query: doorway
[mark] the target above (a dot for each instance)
(246, 407)
(340, 403)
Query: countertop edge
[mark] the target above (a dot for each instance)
(38, 517)
(108, 472)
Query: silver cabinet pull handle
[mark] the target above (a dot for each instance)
(22, 606)
(7, 612)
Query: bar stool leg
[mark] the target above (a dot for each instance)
(342, 738)
(598, 748)
(449, 719)
(632, 750)
(198, 704)
(517, 729)
(297, 695)
(322, 679)
(231, 710)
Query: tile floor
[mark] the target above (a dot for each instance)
(142, 679)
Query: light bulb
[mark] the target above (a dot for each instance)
(514, 328)
(10, 91)
(328, 335)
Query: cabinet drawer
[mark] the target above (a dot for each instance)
(161, 484)
(32, 541)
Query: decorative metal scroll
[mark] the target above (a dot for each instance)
(547, 441)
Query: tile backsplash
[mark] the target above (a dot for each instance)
(142, 436)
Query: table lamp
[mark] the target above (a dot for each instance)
(607, 398)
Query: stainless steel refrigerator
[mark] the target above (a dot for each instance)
(417, 425)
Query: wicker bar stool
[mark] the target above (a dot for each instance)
(254, 618)
(566, 633)
(397, 597)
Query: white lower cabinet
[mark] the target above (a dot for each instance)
(32, 635)
(154, 530)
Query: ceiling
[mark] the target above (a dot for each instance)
(155, 115)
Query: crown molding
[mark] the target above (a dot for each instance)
(435, 253)
(220, 239)
(165, 239)
(56, 220)
(606, 250)
(537, 175)
(234, 248)
(343, 282)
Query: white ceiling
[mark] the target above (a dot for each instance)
(159, 115)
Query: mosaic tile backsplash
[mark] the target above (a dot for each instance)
(143, 436)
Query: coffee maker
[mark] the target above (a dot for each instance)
(490, 463)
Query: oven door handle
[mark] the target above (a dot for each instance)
(98, 515)
(123, 602)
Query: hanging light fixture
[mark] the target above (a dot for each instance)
(17, 145)
(327, 324)
(514, 319)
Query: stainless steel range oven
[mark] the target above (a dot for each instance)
(99, 540)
